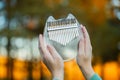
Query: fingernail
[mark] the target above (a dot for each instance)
(40, 35)
(81, 25)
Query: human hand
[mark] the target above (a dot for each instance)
(52, 59)
(84, 56)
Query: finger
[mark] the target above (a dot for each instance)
(47, 58)
(81, 46)
(53, 51)
(85, 34)
(42, 45)
(87, 41)
(45, 53)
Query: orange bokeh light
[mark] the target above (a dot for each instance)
(111, 71)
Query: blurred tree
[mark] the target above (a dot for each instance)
(104, 34)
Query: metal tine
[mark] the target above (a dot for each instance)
(56, 23)
(53, 36)
(62, 24)
(77, 32)
(60, 36)
(71, 31)
(70, 37)
(63, 37)
(68, 33)
(74, 32)
(49, 35)
(71, 34)
(59, 32)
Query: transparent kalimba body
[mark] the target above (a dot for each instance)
(64, 34)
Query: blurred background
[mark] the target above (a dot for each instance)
(21, 21)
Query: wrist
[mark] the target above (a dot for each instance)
(55, 78)
(58, 75)
(87, 71)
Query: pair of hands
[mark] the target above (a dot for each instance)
(55, 63)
